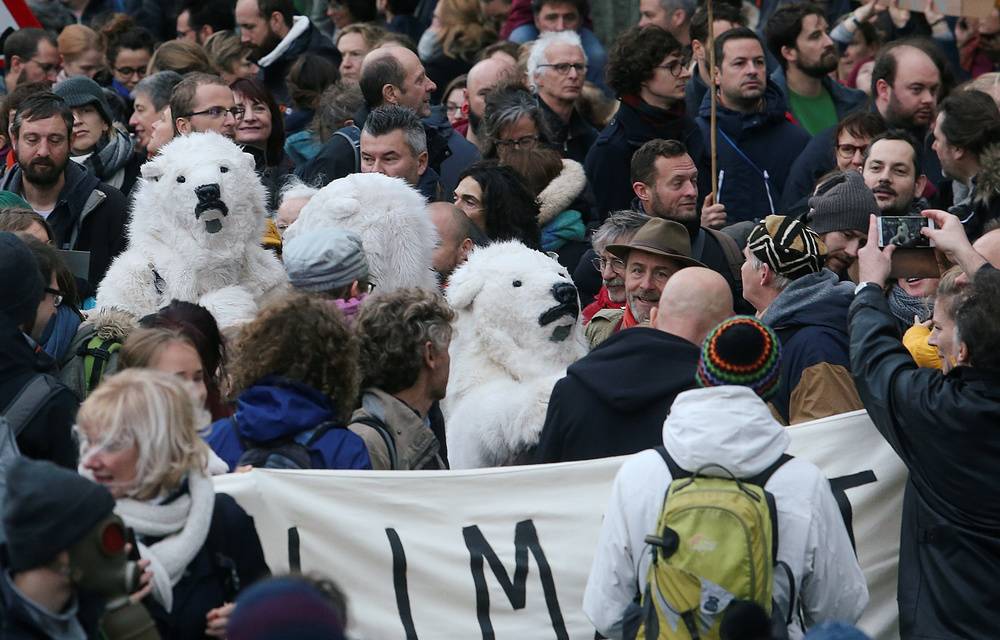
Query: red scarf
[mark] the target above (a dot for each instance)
(628, 320)
(602, 301)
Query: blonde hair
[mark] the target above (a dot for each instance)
(225, 51)
(180, 56)
(156, 412)
(143, 345)
(462, 31)
(77, 38)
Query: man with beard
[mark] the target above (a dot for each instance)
(278, 37)
(84, 214)
(656, 252)
(906, 83)
(892, 172)
(32, 56)
(799, 37)
(756, 141)
(648, 70)
(665, 181)
(484, 77)
(839, 215)
(610, 290)
(458, 235)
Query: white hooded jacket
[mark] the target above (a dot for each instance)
(730, 426)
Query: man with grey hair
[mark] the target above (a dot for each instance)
(617, 229)
(294, 195)
(557, 68)
(393, 143)
(151, 96)
(483, 78)
(673, 16)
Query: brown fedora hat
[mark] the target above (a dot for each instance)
(660, 237)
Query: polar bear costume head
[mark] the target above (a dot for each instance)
(201, 190)
(391, 218)
(518, 309)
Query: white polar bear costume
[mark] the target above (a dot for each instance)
(517, 328)
(390, 217)
(198, 217)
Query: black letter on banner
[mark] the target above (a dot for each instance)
(399, 583)
(525, 539)
(294, 557)
(839, 486)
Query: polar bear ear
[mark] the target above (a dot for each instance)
(248, 162)
(151, 171)
(463, 288)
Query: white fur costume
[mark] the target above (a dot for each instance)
(517, 329)
(391, 218)
(197, 220)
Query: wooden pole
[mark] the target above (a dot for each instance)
(711, 90)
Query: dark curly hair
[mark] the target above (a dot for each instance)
(302, 338)
(635, 55)
(393, 328)
(510, 211)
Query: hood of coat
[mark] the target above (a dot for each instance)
(728, 426)
(561, 192)
(988, 179)
(815, 299)
(775, 110)
(619, 371)
(80, 183)
(277, 408)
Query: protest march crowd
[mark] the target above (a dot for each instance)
(454, 234)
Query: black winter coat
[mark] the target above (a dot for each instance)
(16, 622)
(573, 139)
(614, 400)
(49, 435)
(944, 428)
(311, 41)
(230, 561)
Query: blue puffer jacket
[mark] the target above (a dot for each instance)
(768, 142)
(277, 408)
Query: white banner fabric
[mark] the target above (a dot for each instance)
(505, 553)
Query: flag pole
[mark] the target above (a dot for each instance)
(712, 98)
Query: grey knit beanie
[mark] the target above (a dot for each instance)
(81, 90)
(324, 259)
(843, 202)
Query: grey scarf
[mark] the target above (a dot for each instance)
(905, 307)
(112, 156)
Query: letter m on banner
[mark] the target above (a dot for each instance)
(525, 540)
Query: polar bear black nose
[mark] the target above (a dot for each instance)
(564, 292)
(207, 192)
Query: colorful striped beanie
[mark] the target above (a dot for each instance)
(741, 351)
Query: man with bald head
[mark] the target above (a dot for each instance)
(393, 74)
(484, 77)
(614, 400)
(458, 235)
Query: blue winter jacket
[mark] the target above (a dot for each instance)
(845, 99)
(767, 143)
(276, 408)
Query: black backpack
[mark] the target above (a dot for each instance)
(282, 453)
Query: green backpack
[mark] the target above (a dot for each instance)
(717, 542)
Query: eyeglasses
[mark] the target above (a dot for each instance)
(452, 108)
(369, 288)
(57, 296)
(676, 68)
(847, 151)
(218, 112)
(617, 264)
(47, 67)
(128, 72)
(527, 142)
(563, 68)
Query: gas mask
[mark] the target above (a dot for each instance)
(99, 565)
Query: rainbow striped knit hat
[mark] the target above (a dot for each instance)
(741, 351)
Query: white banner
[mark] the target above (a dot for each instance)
(505, 553)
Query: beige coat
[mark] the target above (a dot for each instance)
(415, 443)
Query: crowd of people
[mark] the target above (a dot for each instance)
(713, 232)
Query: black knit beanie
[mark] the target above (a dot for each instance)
(47, 510)
(21, 284)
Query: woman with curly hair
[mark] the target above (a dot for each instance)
(496, 199)
(449, 47)
(296, 379)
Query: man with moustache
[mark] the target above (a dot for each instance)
(656, 252)
(892, 172)
(756, 141)
(799, 38)
(277, 37)
(609, 289)
(84, 214)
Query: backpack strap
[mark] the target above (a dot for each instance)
(772, 507)
(29, 401)
(731, 250)
(352, 134)
(675, 469)
(382, 429)
(100, 352)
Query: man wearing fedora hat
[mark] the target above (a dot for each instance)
(806, 306)
(657, 251)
